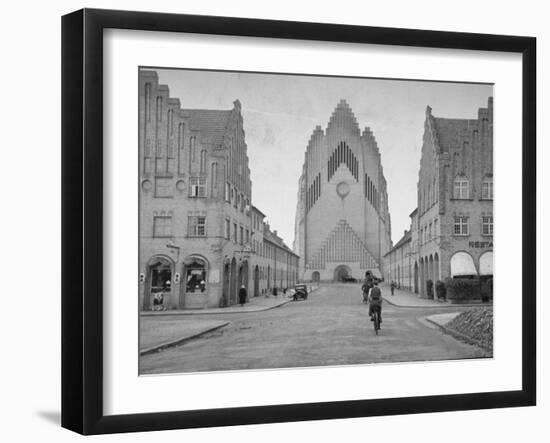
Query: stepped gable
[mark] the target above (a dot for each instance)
(343, 245)
(316, 135)
(211, 123)
(369, 137)
(449, 131)
(343, 117)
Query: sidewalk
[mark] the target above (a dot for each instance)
(255, 304)
(407, 299)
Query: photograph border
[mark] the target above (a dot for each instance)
(82, 220)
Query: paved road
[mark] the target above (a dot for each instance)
(330, 328)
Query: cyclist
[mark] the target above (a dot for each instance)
(369, 283)
(375, 301)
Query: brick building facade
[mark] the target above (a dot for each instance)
(452, 226)
(342, 225)
(195, 218)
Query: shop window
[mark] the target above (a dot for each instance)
(195, 276)
(161, 276)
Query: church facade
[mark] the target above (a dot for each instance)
(342, 226)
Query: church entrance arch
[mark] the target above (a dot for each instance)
(341, 272)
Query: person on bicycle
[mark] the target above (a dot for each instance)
(367, 285)
(375, 301)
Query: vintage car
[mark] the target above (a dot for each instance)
(300, 291)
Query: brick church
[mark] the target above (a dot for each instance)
(342, 226)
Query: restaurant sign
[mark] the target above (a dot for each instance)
(481, 244)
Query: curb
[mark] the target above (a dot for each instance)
(203, 312)
(442, 305)
(178, 341)
(459, 335)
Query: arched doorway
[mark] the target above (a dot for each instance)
(233, 283)
(315, 276)
(226, 280)
(431, 275)
(341, 272)
(159, 278)
(436, 268)
(195, 269)
(243, 271)
(256, 281)
(416, 277)
(462, 265)
(422, 277)
(398, 276)
(486, 264)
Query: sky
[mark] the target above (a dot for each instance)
(280, 112)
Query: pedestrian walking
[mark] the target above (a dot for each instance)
(392, 287)
(242, 295)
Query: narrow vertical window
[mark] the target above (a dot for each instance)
(170, 122)
(159, 108)
(148, 102)
(192, 149)
(203, 162)
(214, 176)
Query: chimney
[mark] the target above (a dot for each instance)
(275, 232)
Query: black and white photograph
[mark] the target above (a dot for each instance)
(295, 221)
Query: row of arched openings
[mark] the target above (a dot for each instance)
(343, 155)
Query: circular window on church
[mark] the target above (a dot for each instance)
(342, 189)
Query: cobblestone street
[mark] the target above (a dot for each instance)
(330, 328)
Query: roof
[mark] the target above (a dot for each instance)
(450, 129)
(258, 211)
(212, 123)
(343, 116)
(407, 237)
(278, 241)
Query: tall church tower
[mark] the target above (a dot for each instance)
(342, 225)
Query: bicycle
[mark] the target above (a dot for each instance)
(376, 320)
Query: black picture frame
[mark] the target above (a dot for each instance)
(82, 220)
